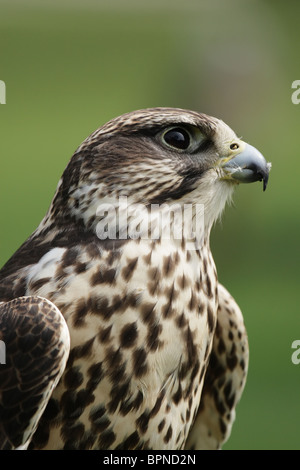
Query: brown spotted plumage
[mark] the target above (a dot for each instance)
(37, 346)
(159, 354)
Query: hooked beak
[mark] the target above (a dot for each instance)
(246, 165)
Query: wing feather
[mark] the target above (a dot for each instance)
(35, 346)
(225, 378)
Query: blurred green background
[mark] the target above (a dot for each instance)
(69, 66)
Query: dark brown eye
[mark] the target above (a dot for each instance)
(178, 138)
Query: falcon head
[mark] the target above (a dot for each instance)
(156, 156)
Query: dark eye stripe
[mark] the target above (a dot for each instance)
(187, 185)
(204, 145)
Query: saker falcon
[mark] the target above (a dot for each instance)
(156, 348)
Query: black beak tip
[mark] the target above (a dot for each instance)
(262, 173)
(265, 181)
(264, 176)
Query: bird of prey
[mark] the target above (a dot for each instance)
(158, 351)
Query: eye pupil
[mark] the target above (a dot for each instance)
(178, 138)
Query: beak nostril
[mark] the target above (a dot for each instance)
(234, 146)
